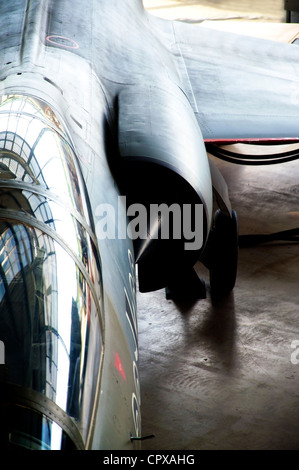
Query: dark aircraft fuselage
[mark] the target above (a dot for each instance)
(92, 108)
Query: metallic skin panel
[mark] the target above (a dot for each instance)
(50, 273)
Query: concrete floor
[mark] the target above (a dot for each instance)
(226, 375)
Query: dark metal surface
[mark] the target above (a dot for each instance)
(128, 97)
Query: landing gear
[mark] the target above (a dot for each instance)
(187, 287)
(221, 258)
(223, 254)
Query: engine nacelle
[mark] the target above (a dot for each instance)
(165, 168)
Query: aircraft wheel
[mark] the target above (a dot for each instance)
(224, 254)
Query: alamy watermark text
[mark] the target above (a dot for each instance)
(156, 221)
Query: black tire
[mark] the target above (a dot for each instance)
(224, 254)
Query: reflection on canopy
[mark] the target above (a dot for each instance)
(50, 278)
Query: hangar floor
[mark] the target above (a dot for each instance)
(226, 375)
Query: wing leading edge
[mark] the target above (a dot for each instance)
(240, 87)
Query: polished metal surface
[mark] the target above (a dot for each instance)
(50, 275)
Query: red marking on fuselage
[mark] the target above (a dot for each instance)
(62, 41)
(254, 140)
(119, 366)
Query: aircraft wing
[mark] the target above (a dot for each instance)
(240, 87)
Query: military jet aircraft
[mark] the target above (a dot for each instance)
(106, 116)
